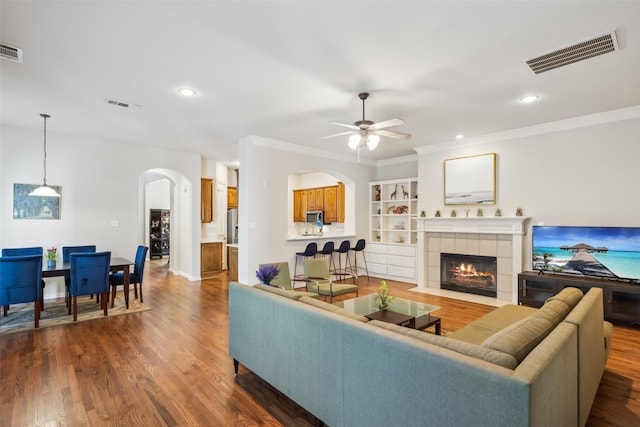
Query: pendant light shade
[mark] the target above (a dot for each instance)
(44, 190)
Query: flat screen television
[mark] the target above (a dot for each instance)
(606, 252)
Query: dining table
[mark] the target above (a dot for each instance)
(63, 269)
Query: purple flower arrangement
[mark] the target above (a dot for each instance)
(266, 273)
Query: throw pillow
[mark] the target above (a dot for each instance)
(520, 338)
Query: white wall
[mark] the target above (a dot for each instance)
(100, 183)
(265, 167)
(585, 176)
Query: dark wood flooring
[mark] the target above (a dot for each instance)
(170, 367)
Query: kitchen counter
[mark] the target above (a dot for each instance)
(301, 237)
(232, 245)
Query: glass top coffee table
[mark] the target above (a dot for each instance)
(401, 312)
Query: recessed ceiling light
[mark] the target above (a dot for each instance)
(459, 136)
(186, 91)
(529, 98)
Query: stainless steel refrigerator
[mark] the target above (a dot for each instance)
(232, 226)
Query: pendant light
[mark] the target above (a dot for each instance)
(44, 190)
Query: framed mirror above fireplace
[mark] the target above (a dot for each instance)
(470, 180)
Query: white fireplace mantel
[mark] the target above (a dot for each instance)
(483, 224)
(515, 226)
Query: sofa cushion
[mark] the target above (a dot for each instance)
(481, 329)
(521, 337)
(571, 296)
(554, 311)
(279, 291)
(333, 308)
(472, 350)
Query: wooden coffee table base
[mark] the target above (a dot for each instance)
(407, 321)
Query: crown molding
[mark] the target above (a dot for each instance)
(275, 144)
(551, 127)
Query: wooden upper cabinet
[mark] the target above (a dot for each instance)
(327, 199)
(206, 200)
(319, 206)
(340, 202)
(298, 212)
(232, 197)
(331, 204)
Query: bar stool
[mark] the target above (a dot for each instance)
(344, 248)
(310, 251)
(327, 250)
(359, 247)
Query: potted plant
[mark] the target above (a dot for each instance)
(384, 295)
(266, 273)
(51, 255)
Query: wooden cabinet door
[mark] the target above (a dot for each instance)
(210, 258)
(340, 202)
(232, 197)
(319, 198)
(232, 261)
(206, 200)
(331, 204)
(311, 200)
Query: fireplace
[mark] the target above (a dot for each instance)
(473, 274)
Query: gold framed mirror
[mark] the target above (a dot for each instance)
(470, 180)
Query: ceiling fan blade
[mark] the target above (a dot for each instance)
(392, 134)
(350, 132)
(386, 124)
(345, 125)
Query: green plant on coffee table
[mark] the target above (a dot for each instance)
(384, 295)
(267, 272)
(51, 253)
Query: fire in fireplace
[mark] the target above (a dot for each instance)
(469, 273)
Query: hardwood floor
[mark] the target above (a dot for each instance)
(170, 367)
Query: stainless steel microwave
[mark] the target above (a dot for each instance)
(315, 216)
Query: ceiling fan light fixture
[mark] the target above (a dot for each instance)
(372, 141)
(354, 141)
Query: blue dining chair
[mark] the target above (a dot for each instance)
(66, 252)
(135, 278)
(35, 250)
(89, 274)
(20, 282)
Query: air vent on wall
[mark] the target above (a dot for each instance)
(594, 46)
(11, 53)
(123, 104)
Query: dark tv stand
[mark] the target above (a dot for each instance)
(621, 299)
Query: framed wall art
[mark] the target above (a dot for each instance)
(470, 180)
(32, 207)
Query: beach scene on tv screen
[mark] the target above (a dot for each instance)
(610, 252)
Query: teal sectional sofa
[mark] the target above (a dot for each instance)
(527, 367)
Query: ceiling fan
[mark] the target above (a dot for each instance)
(365, 133)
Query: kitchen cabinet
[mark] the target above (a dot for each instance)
(232, 197)
(206, 200)
(328, 199)
(232, 262)
(210, 259)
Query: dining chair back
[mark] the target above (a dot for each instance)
(135, 278)
(89, 274)
(20, 282)
(68, 250)
(37, 250)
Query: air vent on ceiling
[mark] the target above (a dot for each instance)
(594, 46)
(11, 53)
(123, 104)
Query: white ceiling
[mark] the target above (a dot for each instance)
(284, 70)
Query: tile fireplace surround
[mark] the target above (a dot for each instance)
(501, 237)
